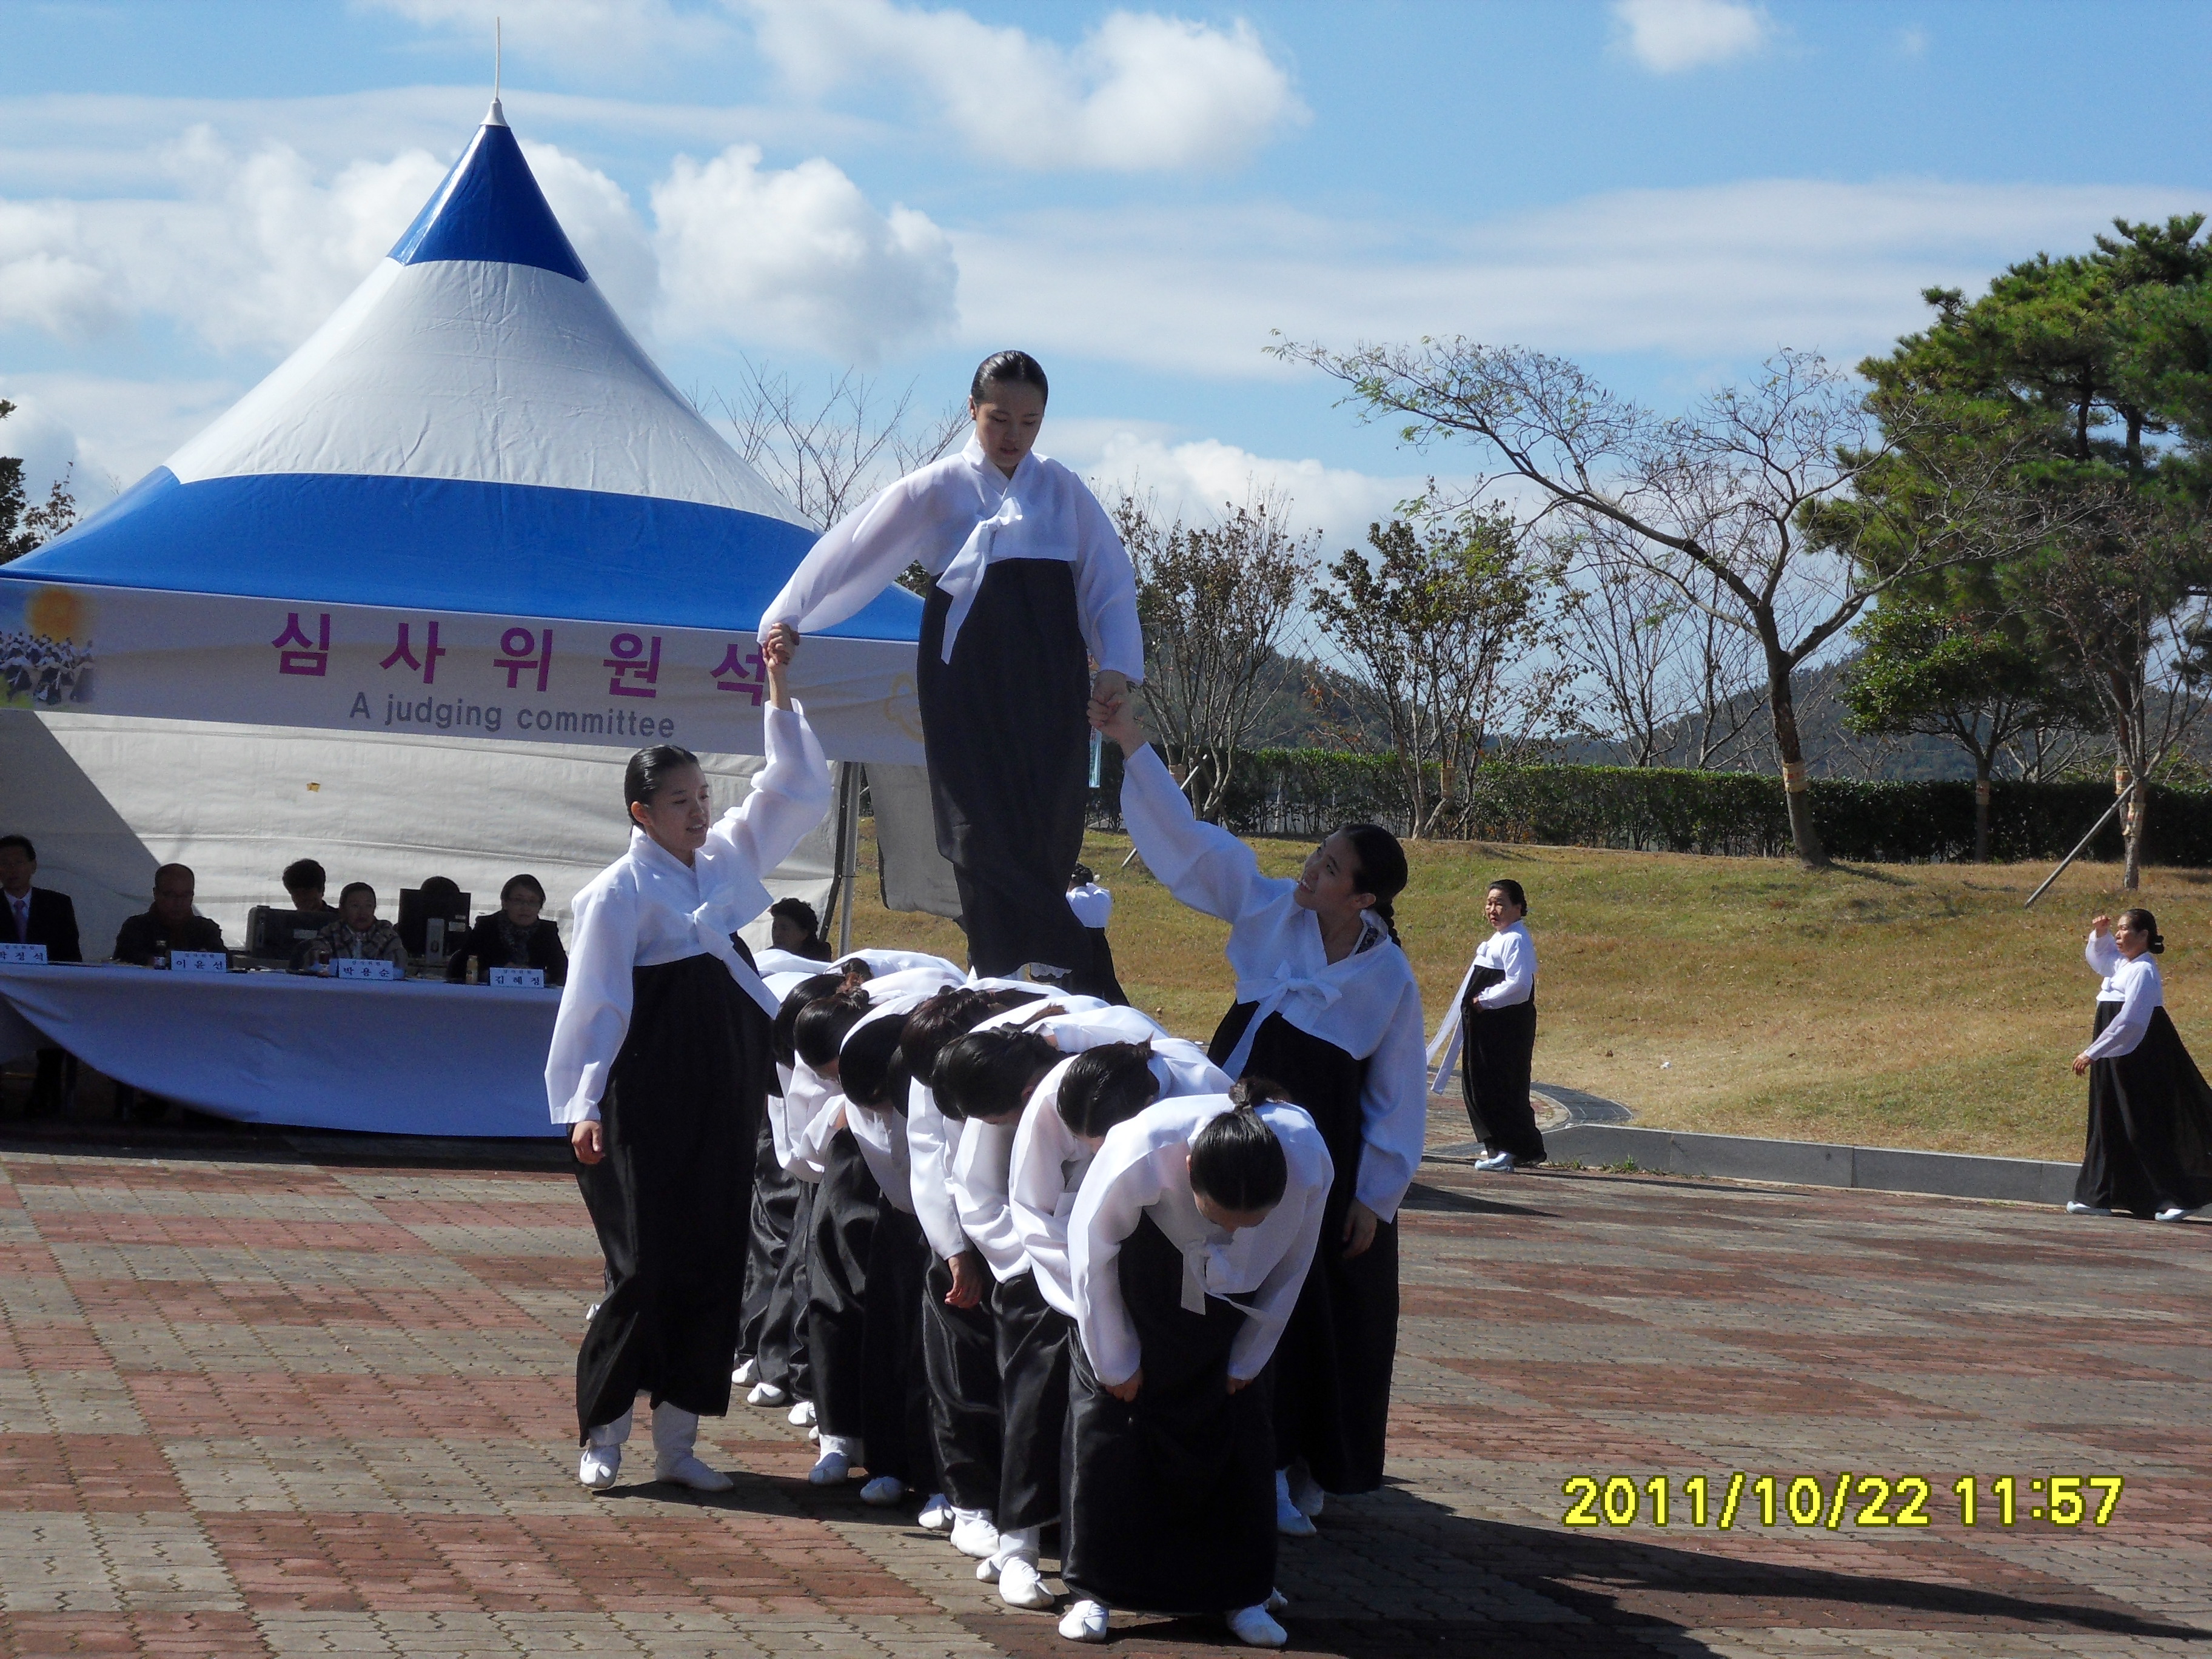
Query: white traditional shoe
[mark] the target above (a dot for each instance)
(1289, 1520)
(936, 1515)
(747, 1373)
(1305, 1491)
(766, 1393)
(1256, 1627)
(974, 1534)
(2072, 1208)
(675, 1433)
(814, 1435)
(2173, 1212)
(987, 1571)
(1085, 1622)
(1021, 1585)
(802, 1414)
(883, 1491)
(830, 1469)
(1497, 1163)
(599, 1466)
(688, 1470)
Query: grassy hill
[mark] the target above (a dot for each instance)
(1905, 1006)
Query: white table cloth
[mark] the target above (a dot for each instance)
(410, 1057)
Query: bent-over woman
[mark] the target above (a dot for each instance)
(2149, 1149)
(1326, 1005)
(660, 1062)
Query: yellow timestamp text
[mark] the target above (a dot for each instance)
(1834, 1501)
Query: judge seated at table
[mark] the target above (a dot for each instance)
(38, 915)
(358, 933)
(793, 927)
(169, 924)
(305, 882)
(514, 936)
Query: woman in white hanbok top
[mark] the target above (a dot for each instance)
(660, 1066)
(1028, 584)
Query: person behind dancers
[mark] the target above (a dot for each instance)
(1497, 1034)
(1094, 907)
(1030, 583)
(795, 926)
(660, 1064)
(1327, 1003)
(1192, 1233)
(2149, 1149)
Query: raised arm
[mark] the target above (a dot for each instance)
(595, 1003)
(2099, 952)
(858, 556)
(792, 793)
(1202, 864)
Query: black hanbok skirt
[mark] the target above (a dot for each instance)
(2150, 1126)
(846, 1203)
(1334, 1364)
(960, 1356)
(1171, 1497)
(894, 1393)
(1033, 1340)
(1004, 728)
(672, 1200)
(1497, 1056)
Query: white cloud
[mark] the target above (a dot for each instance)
(589, 34)
(1726, 271)
(1139, 93)
(798, 257)
(1669, 36)
(112, 431)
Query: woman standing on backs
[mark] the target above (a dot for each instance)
(1030, 583)
(1496, 1012)
(2150, 1112)
(1326, 1002)
(1194, 1230)
(661, 1063)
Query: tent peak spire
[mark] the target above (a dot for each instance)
(496, 118)
(489, 208)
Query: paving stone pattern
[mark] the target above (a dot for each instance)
(293, 1407)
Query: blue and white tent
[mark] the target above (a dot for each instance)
(468, 523)
(469, 502)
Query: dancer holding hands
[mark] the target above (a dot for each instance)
(660, 1064)
(1326, 1005)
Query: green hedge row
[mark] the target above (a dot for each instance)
(1301, 793)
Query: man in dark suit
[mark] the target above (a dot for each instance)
(38, 915)
(170, 922)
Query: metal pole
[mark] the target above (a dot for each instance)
(848, 833)
(2118, 801)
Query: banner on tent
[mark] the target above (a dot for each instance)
(356, 668)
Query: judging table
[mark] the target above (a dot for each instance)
(412, 1057)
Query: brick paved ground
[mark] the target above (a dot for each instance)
(298, 1408)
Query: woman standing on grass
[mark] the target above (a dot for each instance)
(1497, 1008)
(660, 1064)
(2149, 1150)
(1326, 1005)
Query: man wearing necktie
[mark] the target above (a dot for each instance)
(38, 915)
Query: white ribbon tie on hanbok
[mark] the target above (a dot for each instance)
(707, 921)
(963, 577)
(1271, 996)
(1195, 1260)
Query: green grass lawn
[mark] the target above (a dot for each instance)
(1901, 1006)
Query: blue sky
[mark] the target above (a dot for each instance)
(1666, 190)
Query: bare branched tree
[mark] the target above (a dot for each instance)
(1722, 490)
(827, 451)
(1218, 602)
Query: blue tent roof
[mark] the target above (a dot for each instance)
(473, 430)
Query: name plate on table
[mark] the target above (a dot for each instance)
(20, 953)
(530, 978)
(198, 962)
(367, 967)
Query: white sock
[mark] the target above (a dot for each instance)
(1019, 1543)
(614, 1433)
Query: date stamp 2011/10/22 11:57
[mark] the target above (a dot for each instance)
(1837, 1501)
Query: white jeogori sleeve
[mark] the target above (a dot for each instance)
(2127, 1027)
(979, 1194)
(858, 556)
(928, 1141)
(1038, 1193)
(1269, 1309)
(1203, 866)
(595, 1003)
(1394, 1110)
(1123, 1180)
(1106, 589)
(2101, 954)
(1520, 970)
(788, 796)
(809, 1146)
